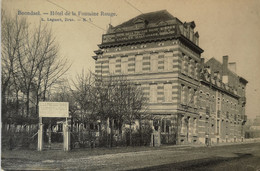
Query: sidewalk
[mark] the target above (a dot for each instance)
(247, 141)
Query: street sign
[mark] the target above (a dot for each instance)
(53, 109)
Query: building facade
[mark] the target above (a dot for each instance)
(191, 101)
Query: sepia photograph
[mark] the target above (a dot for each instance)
(130, 85)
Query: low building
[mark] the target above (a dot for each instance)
(191, 101)
(253, 129)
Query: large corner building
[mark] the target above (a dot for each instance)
(192, 101)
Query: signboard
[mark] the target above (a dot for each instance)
(53, 109)
(139, 34)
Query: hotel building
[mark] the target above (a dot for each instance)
(191, 101)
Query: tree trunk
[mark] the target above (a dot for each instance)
(17, 103)
(130, 136)
(49, 128)
(141, 132)
(27, 103)
(111, 133)
(71, 125)
(107, 127)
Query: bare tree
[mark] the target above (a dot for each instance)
(30, 60)
(12, 31)
(119, 100)
(82, 91)
(135, 106)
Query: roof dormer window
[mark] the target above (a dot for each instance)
(140, 23)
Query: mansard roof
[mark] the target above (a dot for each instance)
(148, 18)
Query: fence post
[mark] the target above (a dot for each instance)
(66, 136)
(40, 135)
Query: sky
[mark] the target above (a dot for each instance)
(226, 27)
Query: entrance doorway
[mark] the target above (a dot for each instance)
(53, 133)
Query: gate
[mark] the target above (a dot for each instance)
(53, 136)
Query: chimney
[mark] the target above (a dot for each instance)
(232, 66)
(225, 65)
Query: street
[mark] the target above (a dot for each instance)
(223, 157)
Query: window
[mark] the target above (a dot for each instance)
(167, 63)
(154, 62)
(186, 64)
(183, 65)
(182, 124)
(212, 104)
(195, 98)
(218, 104)
(124, 65)
(182, 94)
(218, 127)
(138, 63)
(112, 65)
(207, 100)
(190, 69)
(168, 92)
(153, 93)
(195, 126)
(196, 70)
(190, 96)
